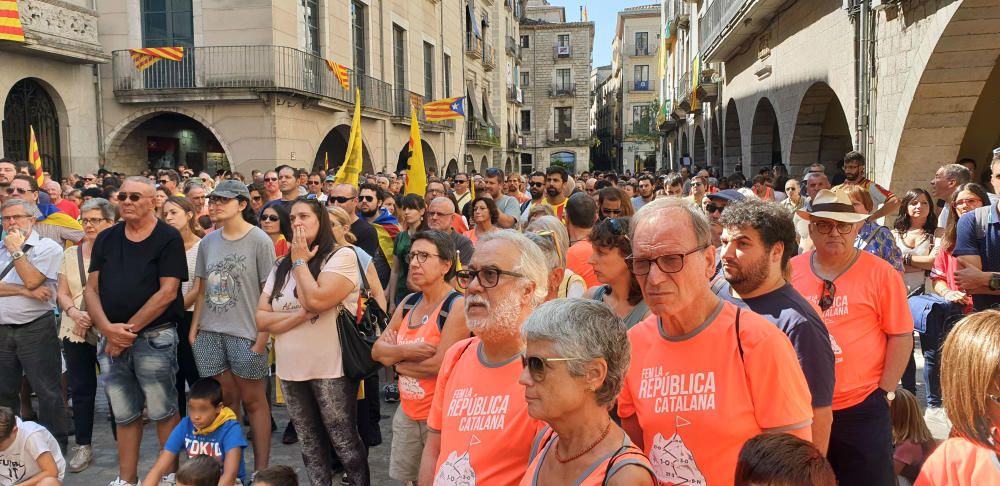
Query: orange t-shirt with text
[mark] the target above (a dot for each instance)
(869, 304)
(576, 260)
(480, 410)
(959, 462)
(697, 401)
(416, 394)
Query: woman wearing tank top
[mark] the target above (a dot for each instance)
(574, 366)
(620, 290)
(418, 336)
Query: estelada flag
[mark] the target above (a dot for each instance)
(446, 109)
(147, 56)
(34, 157)
(416, 175)
(340, 72)
(10, 22)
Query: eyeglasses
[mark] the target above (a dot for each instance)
(218, 200)
(611, 212)
(256, 198)
(11, 219)
(537, 184)
(367, 198)
(826, 227)
(712, 208)
(93, 221)
(488, 277)
(315, 183)
(270, 179)
(131, 196)
(20, 190)
(435, 214)
(340, 199)
(461, 181)
(966, 202)
(671, 263)
(536, 365)
(88, 178)
(165, 181)
(420, 256)
(270, 217)
(435, 191)
(829, 292)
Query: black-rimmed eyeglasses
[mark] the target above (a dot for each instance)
(670, 263)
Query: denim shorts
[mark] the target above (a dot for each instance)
(143, 375)
(214, 353)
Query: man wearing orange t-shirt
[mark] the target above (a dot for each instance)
(863, 300)
(581, 213)
(705, 375)
(479, 428)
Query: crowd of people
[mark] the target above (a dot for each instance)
(546, 328)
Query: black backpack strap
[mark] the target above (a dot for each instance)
(446, 308)
(739, 342)
(410, 301)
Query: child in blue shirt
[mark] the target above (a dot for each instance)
(210, 429)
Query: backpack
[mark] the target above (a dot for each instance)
(411, 301)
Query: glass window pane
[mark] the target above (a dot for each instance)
(154, 6)
(183, 31)
(155, 26)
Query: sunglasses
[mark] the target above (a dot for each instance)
(340, 199)
(165, 181)
(256, 198)
(488, 277)
(537, 184)
(826, 227)
(826, 298)
(611, 212)
(536, 365)
(461, 181)
(270, 179)
(217, 200)
(270, 217)
(20, 190)
(131, 196)
(367, 198)
(315, 183)
(712, 208)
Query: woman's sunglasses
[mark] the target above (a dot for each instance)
(536, 366)
(270, 217)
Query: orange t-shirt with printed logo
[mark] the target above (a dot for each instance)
(480, 411)
(416, 394)
(697, 400)
(868, 305)
(959, 462)
(576, 260)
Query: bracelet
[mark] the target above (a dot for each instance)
(298, 263)
(66, 310)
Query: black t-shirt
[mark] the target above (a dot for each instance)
(793, 314)
(131, 271)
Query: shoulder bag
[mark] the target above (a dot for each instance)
(358, 334)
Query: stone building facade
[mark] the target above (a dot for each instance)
(555, 76)
(634, 64)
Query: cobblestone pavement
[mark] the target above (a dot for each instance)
(104, 469)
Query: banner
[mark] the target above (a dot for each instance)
(340, 72)
(35, 158)
(446, 109)
(10, 22)
(145, 57)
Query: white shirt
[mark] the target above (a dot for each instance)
(19, 462)
(46, 256)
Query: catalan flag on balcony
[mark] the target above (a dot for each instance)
(147, 56)
(34, 157)
(446, 109)
(340, 72)
(10, 22)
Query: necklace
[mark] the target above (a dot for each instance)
(600, 439)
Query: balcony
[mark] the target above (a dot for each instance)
(60, 30)
(483, 135)
(727, 25)
(642, 85)
(682, 92)
(243, 73)
(559, 90)
(640, 50)
(708, 85)
(402, 109)
(515, 95)
(513, 48)
(515, 141)
(564, 136)
(473, 45)
(643, 128)
(489, 57)
(562, 52)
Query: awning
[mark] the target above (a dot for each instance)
(486, 112)
(470, 94)
(470, 20)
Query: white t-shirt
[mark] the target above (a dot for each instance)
(19, 462)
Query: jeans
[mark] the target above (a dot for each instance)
(930, 344)
(861, 443)
(143, 375)
(32, 349)
(81, 373)
(325, 418)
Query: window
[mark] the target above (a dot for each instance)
(447, 76)
(641, 78)
(641, 43)
(562, 40)
(310, 26)
(359, 32)
(525, 120)
(167, 23)
(525, 42)
(399, 56)
(564, 122)
(562, 79)
(641, 119)
(525, 79)
(428, 71)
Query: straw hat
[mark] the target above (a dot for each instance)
(832, 205)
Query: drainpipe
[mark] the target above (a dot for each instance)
(100, 115)
(861, 83)
(381, 73)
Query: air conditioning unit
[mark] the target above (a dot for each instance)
(562, 50)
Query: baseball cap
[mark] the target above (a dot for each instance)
(727, 195)
(330, 178)
(231, 188)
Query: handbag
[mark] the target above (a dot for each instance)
(358, 334)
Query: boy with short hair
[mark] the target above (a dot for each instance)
(29, 454)
(200, 470)
(279, 475)
(210, 428)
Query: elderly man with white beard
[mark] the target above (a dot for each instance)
(479, 428)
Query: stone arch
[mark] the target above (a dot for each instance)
(699, 155)
(46, 114)
(685, 148)
(430, 160)
(125, 155)
(732, 146)
(483, 165)
(822, 133)
(334, 148)
(508, 166)
(715, 146)
(452, 167)
(765, 139)
(943, 112)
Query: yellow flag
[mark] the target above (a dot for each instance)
(351, 168)
(416, 176)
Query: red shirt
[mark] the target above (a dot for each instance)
(67, 206)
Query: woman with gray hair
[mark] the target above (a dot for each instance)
(574, 366)
(77, 332)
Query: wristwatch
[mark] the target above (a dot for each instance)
(890, 395)
(17, 255)
(995, 281)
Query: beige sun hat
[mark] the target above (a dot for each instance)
(832, 205)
